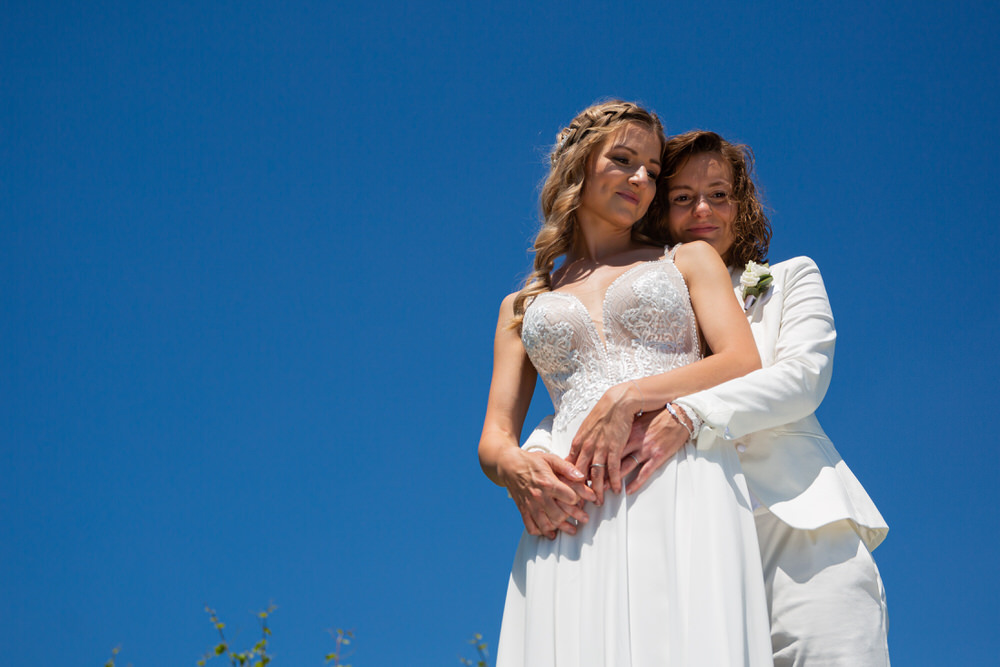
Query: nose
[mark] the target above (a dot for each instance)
(641, 175)
(702, 206)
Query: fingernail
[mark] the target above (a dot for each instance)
(577, 474)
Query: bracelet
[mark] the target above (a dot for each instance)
(696, 422)
(642, 397)
(673, 413)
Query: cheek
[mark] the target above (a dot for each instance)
(648, 196)
(675, 216)
(585, 192)
(674, 221)
(729, 216)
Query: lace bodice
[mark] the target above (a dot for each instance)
(649, 328)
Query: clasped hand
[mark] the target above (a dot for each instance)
(598, 447)
(652, 440)
(548, 492)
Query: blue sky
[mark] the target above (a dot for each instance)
(251, 256)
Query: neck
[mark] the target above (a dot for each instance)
(598, 242)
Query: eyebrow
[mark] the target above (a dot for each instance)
(633, 152)
(711, 185)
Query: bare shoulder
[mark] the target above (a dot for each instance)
(507, 306)
(698, 257)
(695, 249)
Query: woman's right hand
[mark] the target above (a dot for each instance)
(548, 491)
(655, 438)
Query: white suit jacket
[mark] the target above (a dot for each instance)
(790, 465)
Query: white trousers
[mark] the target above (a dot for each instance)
(825, 596)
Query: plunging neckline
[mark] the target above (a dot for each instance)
(591, 322)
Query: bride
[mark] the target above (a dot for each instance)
(670, 575)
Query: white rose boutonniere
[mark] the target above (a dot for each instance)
(755, 280)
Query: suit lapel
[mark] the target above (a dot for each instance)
(753, 314)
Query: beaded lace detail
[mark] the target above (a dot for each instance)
(649, 328)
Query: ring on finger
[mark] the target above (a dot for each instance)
(636, 459)
(597, 465)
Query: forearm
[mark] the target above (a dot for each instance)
(510, 395)
(655, 391)
(770, 397)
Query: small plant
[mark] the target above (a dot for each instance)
(111, 660)
(255, 657)
(477, 641)
(343, 638)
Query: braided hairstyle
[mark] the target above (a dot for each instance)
(751, 228)
(563, 186)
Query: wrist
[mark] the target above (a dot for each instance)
(688, 420)
(678, 413)
(630, 398)
(508, 463)
(694, 420)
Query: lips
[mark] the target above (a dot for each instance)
(629, 196)
(702, 229)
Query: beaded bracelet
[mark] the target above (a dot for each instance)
(696, 422)
(673, 413)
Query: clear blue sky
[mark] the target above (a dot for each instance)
(251, 256)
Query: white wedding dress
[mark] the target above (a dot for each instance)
(669, 576)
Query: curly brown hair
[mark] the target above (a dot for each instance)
(751, 228)
(563, 186)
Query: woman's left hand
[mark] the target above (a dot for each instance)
(597, 448)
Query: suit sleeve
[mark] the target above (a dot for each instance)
(794, 385)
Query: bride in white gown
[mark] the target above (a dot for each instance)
(671, 575)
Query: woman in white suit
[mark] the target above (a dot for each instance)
(816, 524)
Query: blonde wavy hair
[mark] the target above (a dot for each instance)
(563, 186)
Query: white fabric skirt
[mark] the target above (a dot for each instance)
(670, 576)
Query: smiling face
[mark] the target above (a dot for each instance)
(620, 179)
(701, 205)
